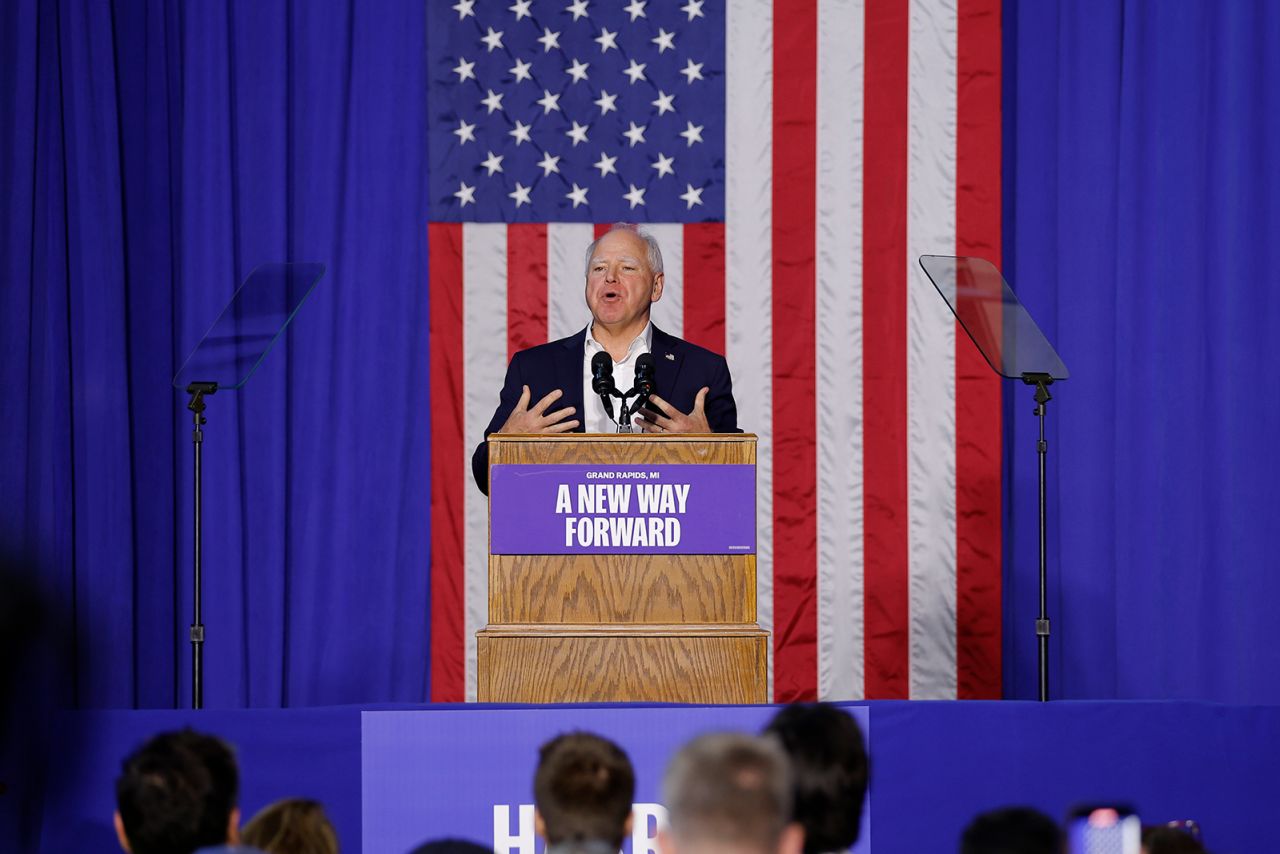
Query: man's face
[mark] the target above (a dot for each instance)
(620, 285)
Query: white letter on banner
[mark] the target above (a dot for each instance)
(647, 820)
(569, 523)
(562, 500)
(523, 839)
(673, 532)
(682, 495)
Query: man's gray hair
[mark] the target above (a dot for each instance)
(653, 252)
(729, 790)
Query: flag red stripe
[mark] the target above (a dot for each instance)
(526, 286)
(601, 229)
(448, 475)
(978, 421)
(884, 350)
(795, 606)
(704, 284)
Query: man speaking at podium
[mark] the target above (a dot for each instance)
(550, 388)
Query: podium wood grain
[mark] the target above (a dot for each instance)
(622, 628)
(577, 664)
(622, 589)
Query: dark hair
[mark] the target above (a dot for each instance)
(829, 771)
(1012, 830)
(291, 826)
(583, 789)
(1170, 840)
(729, 789)
(175, 793)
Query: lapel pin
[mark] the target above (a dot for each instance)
(671, 357)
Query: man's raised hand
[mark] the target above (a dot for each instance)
(537, 420)
(677, 421)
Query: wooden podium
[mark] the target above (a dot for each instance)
(570, 628)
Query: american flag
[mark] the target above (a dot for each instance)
(793, 159)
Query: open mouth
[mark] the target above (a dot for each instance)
(611, 296)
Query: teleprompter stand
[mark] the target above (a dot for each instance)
(1015, 348)
(230, 352)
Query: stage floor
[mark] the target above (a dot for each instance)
(391, 776)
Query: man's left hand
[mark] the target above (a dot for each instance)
(677, 421)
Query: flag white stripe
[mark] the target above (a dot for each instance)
(567, 277)
(931, 389)
(484, 342)
(839, 350)
(749, 256)
(668, 314)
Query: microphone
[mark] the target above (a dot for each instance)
(602, 379)
(644, 375)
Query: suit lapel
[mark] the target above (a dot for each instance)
(667, 357)
(569, 376)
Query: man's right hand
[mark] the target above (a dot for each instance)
(538, 420)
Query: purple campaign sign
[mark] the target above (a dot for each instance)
(468, 773)
(622, 509)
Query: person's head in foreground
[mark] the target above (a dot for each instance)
(176, 794)
(729, 793)
(1012, 830)
(582, 792)
(291, 826)
(829, 773)
(1170, 840)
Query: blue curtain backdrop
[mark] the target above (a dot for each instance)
(1142, 188)
(154, 154)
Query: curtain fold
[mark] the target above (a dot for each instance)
(1142, 209)
(158, 153)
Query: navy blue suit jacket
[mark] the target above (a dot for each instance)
(681, 369)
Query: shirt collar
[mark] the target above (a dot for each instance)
(644, 340)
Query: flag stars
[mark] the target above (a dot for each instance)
(693, 9)
(665, 103)
(664, 165)
(605, 165)
(549, 164)
(635, 133)
(635, 196)
(691, 196)
(493, 163)
(492, 39)
(578, 195)
(636, 10)
(521, 9)
(693, 71)
(466, 195)
(465, 132)
(520, 132)
(493, 101)
(521, 70)
(664, 40)
(606, 102)
(578, 8)
(520, 194)
(548, 39)
(578, 133)
(606, 40)
(549, 101)
(635, 71)
(464, 8)
(465, 70)
(692, 133)
(578, 71)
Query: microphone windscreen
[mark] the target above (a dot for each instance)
(601, 364)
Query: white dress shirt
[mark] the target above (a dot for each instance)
(594, 418)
